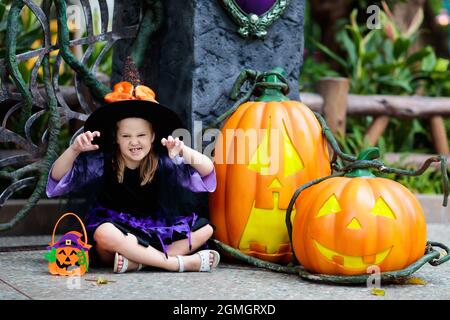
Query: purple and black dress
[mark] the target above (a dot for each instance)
(157, 213)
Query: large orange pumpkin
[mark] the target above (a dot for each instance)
(343, 225)
(255, 181)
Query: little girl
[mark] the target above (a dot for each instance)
(140, 216)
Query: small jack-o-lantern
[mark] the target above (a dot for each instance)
(254, 190)
(70, 255)
(344, 225)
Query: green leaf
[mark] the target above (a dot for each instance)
(428, 62)
(389, 27)
(387, 68)
(418, 55)
(403, 84)
(388, 47)
(369, 57)
(354, 24)
(50, 256)
(348, 45)
(356, 36)
(401, 46)
(329, 53)
(441, 65)
(368, 37)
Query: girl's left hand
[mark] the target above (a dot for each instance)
(174, 146)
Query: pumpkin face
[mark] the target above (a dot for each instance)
(69, 256)
(344, 225)
(255, 181)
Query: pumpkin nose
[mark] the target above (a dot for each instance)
(67, 259)
(354, 225)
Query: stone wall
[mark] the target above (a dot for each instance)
(197, 55)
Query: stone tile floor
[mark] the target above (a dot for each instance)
(24, 275)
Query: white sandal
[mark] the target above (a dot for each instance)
(124, 264)
(204, 256)
(204, 261)
(180, 264)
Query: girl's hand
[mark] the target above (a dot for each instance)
(174, 146)
(83, 142)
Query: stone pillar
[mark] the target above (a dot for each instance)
(197, 55)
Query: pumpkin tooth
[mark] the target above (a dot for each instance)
(353, 262)
(370, 259)
(338, 259)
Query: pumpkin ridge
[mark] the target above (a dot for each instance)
(371, 242)
(414, 215)
(232, 123)
(263, 121)
(380, 184)
(252, 116)
(314, 130)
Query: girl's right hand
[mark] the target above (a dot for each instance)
(83, 142)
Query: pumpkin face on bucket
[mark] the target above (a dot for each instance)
(344, 225)
(69, 256)
(253, 193)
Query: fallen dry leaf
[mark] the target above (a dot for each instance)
(377, 292)
(100, 280)
(417, 281)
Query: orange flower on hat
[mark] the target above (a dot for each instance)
(131, 89)
(124, 90)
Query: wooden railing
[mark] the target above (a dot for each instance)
(334, 102)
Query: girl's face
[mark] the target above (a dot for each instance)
(134, 137)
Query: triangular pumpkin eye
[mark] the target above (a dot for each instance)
(381, 208)
(292, 161)
(331, 206)
(260, 160)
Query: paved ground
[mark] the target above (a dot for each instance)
(24, 276)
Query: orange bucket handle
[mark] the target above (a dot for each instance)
(81, 222)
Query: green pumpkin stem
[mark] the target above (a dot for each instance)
(371, 153)
(271, 86)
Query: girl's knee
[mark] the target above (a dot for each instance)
(107, 235)
(206, 232)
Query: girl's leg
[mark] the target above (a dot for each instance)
(109, 239)
(198, 238)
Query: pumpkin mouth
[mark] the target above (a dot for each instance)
(352, 262)
(266, 227)
(64, 265)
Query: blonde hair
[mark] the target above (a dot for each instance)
(147, 167)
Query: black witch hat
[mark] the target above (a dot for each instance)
(130, 99)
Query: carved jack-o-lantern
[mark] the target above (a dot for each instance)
(67, 257)
(70, 255)
(255, 181)
(344, 225)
